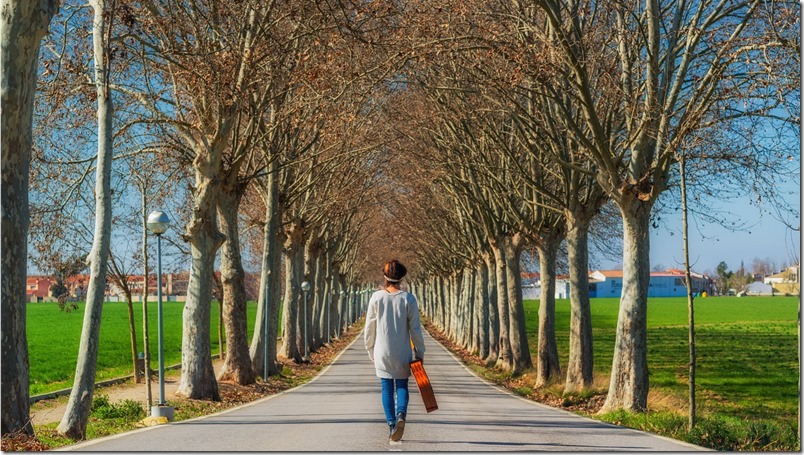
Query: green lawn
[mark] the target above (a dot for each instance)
(747, 347)
(747, 350)
(53, 338)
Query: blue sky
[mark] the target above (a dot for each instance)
(769, 238)
(711, 243)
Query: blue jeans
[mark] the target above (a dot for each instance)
(388, 398)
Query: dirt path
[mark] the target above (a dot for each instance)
(49, 411)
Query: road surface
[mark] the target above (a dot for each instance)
(340, 410)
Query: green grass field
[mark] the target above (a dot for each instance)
(53, 338)
(747, 350)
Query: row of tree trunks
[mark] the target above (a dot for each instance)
(327, 312)
(480, 307)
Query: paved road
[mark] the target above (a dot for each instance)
(341, 411)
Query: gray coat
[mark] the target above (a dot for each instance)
(392, 322)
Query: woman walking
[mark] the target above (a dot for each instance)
(392, 323)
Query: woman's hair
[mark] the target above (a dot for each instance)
(394, 271)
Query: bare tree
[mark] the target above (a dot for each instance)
(74, 421)
(24, 24)
(205, 84)
(665, 83)
(120, 276)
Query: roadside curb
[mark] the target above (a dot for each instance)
(98, 385)
(80, 446)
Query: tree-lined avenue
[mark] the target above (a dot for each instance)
(341, 411)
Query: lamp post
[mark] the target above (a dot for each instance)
(158, 223)
(305, 287)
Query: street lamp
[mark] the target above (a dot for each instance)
(158, 223)
(305, 287)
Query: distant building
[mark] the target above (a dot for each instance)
(786, 281)
(670, 283)
(37, 288)
(758, 288)
(530, 278)
(532, 286)
(605, 283)
(562, 287)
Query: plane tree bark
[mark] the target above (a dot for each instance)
(24, 25)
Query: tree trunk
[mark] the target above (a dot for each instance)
(580, 366)
(628, 388)
(493, 310)
(342, 303)
(482, 310)
(304, 338)
(690, 299)
(332, 322)
(517, 333)
(74, 422)
(237, 366)
(318, 302)
(443, 302)
(197, 375)
(325, 284)
(547, 365)
(24, 23)
(504, 359)
(269, 282)
(469, 328)
(221, 334)
(454, 296)
(145, 336)
(294, 268)
(355, 309)
(132, 334)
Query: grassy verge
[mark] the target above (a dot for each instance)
(52, 364)
(109, 418)
(748, 370)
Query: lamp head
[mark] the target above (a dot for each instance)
(158, 222)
